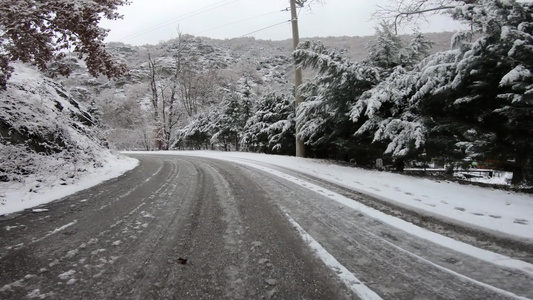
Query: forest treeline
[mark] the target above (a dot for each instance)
(400, 102)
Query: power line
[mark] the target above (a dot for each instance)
(180, 18)
(242, 20)
(269, 27)
(265, 28)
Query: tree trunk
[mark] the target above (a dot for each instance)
(523, 168)
(153, 87)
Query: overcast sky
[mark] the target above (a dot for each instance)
(152, 21)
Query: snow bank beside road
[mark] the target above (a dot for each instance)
(16, 196)
(496, 210)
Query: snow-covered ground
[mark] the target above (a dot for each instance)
(17, 196)
(507, 212)
(48, 146)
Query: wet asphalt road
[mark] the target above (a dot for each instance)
(182, 227)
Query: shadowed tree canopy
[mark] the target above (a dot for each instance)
(40, 32)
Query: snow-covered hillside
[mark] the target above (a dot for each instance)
(220, 65)
(46, 137)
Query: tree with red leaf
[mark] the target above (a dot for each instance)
(41, 32)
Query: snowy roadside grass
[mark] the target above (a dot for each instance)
(498, 178)
(43, 187)
(497, 211)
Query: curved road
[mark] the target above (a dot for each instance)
(181, 227)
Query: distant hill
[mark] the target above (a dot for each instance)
(271, 59)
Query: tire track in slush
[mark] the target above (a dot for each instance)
(115, 246)
(97, 255)
(228, 221)
(278, 256)
(148, 249)
(46, 268)
(419, 259)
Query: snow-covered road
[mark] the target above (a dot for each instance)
(248, 230)
(497, 211)
(182, 228)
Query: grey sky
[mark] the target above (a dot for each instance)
(152, 21)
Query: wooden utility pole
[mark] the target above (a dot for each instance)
(300, 147)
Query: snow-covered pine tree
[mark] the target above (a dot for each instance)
(197, 134)
(325, 125)
(230, 122)
(473, 101)
(418, 49)
(385, 113)
(388, 50)
(487, 105)
(271, 128)
(391, 110)
(432, 76)
(247, 101)
(368, 98)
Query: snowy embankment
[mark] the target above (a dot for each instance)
(49, 146)
(494, 210)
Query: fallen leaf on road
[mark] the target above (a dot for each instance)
(181, 261)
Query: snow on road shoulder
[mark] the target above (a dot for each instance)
(366, 293)
(412, 229)
(507, 212)
(19, 196)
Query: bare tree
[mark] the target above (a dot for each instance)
(153, 86)
(164, 86)
(177, 87)
(188, 83)
(196, 89)
(306, 3)
(402, 12)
